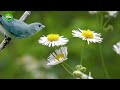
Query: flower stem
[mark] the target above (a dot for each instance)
(69, 66)
(55, 47)
(97, 16)
(101, 21)
(81, 60)
(103, 63)
(101, 26)
(67, 69)
(106, 22)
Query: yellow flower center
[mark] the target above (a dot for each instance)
(59, 56)
(87, 34)
(53, 37)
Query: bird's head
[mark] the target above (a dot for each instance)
(35, 27)
(38, 26)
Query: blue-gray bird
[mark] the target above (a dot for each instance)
(19, 29)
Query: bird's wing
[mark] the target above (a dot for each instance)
(19, 27)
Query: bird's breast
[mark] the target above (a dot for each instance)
(5, 32)
(1, 29)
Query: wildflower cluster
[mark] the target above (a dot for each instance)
(88, 35)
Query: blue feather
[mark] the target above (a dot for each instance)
(19, 29)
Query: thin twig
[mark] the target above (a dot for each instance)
(25, 15)
(5, 42)
(7, 39)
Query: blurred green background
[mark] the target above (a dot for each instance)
(26, 58)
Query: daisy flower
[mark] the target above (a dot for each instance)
(53, 40)
(92, 12)
(84, 76)
(113, 13)
(109, 13)
(116, 48)
(57, 57)
(88, 35)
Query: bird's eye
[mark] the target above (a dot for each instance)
(39, 25)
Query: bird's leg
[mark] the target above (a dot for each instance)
(5, 42)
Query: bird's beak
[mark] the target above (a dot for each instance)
(43, 26)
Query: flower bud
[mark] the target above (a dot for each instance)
(80, 68)
(77, 74)
(83, 69)
(109, 28)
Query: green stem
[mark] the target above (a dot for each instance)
(103, 63)
(101, 26)
(69, 66)
(97, 16)
(55, 47)
(106, 22)
(67, 69)
(101, 22)
(81, 60)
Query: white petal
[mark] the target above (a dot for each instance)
(113, 13)
(116, 48)
(52, 58)
(97, 37)
(44, 41)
